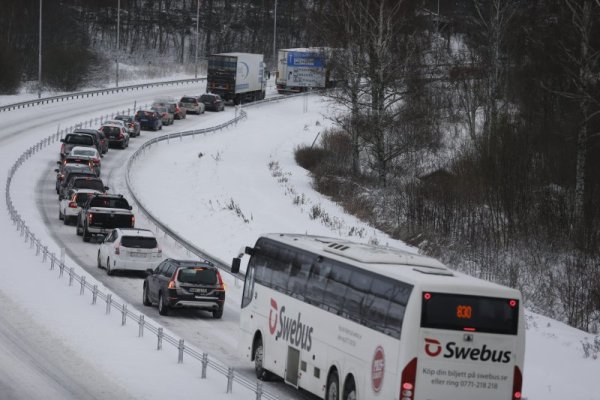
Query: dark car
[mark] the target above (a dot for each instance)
(149, 119)
(84, 182)
(133, 127)
(102, 141)
(77, 139)
(185, 284)
(65, 170)
(116, 135)
(212, 102)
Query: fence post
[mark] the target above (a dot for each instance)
(52, 260)
(180, 347)
(45, 254)
(159, 339)
(71, 271)
(229, 380)
(82, 290)
(94, 294)
(258, 390)
(108, 303)
(124, 314)
(141, 322)
(204, 364)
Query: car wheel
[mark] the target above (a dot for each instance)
(261, 372)
(218, 314)
(99, 263)
(109, 270)
(78, 228)
(60, 215)
(86, 234)
(333, 387)
(160, 128)
(163, 307)
(145, 298)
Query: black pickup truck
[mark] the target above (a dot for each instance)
(102, 213)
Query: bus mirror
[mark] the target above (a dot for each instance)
(235, 265)
(249, 250)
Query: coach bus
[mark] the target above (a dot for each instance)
(349, 321)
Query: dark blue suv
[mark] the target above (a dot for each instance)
(149, 119)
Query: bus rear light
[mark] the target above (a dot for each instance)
(517, 383)
(513, 303)
(409, 374)
(427, 296)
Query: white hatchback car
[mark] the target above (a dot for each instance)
(70, 206)
(129, 249)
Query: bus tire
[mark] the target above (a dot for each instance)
(349, 389)
(333, 386)
(261, 373)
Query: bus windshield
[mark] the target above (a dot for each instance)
(470, 313)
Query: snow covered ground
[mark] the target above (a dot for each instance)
(245, 183)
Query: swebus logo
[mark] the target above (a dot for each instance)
(433, 348)
(290, 329)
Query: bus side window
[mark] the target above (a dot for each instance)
(356, 298)
(317, 282)
(298, 275)
(336, 288)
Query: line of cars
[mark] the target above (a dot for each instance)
(84, 201)
(164, 111)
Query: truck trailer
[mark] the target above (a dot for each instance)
(237, 77)
(301, 69)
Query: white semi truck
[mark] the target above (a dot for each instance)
(302, 69)
(237, 77)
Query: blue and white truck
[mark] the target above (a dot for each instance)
(237, 77)
(301, 69)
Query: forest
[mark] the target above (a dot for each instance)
(468, 128)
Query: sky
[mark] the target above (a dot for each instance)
(221, 191)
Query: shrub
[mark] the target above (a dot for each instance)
(310, 157)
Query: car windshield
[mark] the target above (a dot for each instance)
(145, 114)
(123, 118)
(161, 110)
(88, 184)
(197, 275)
(79, 139)
(207, 97)
(109, 202)
(189, 100)
(75, 160)
(139, 242)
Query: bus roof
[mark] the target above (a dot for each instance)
(412, 268)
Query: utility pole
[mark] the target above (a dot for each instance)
(118, 32)
(40, 56)
(197, 36)
(275, 35)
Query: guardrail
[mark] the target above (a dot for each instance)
(58, 263)
(97, 92)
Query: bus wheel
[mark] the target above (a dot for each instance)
(261, 373)
(333, 386)
(349, 389)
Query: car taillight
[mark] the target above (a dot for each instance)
(172, 284)
(72, 204)
(517, 383)
(62, 148)
(96, 160)
(118, 250)
(131, 125)
(407, 385)
(121, 136)
(90, 218)
(222, 286)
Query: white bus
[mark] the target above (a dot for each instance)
(349, 321)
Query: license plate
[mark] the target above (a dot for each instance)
(138, 255)
(199, 291)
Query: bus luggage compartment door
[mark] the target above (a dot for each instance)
(293, 362)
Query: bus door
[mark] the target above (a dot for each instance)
(469, 348)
